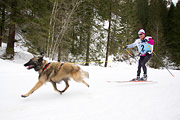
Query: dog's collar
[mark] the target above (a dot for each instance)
(45, 66)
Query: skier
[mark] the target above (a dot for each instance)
(145, 47)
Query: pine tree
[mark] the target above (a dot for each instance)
(2, 21)
(109, 32)
(12, 28)
(169, 33)
(129, 23)
(33, 23)
(156, 29)
(174, 41)
(142, 13)
(27, 18)
(104, 9)
(82, 31)
(122, 20)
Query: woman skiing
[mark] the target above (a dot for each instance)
(145, 47)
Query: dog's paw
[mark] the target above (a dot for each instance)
(60, 92)
(23, 96)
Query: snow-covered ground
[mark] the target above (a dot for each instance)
(101, 101)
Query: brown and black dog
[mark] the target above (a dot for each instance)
(55, 72)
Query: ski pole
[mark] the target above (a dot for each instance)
(160, 60)
(129, 53)
(127, 58)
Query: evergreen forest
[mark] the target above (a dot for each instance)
(91, 30)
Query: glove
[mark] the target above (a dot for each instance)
(124, 47)
(145, 40)
(148, 52)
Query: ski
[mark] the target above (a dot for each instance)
(140, 81)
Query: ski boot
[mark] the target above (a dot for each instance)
(136, 79)
(144, 78)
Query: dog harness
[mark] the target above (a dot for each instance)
(61, 66)
(44, 69)
(46, 66)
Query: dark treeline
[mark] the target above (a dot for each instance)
(88, 30)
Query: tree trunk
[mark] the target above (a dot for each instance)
(59, 53)
(2, 25)
(108, 39)
(88, 43)
(12, 26)
(89, 27)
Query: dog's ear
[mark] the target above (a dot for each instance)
(40, 59)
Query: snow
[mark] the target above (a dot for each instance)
(101, 101)
(175, 1)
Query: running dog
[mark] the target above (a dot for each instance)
(54, 72)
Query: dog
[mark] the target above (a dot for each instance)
(55, 72)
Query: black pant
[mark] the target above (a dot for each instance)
(142, 61)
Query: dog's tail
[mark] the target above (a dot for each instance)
(84, 73)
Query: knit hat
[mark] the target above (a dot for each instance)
(141, 31)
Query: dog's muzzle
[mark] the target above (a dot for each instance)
(30, 65)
